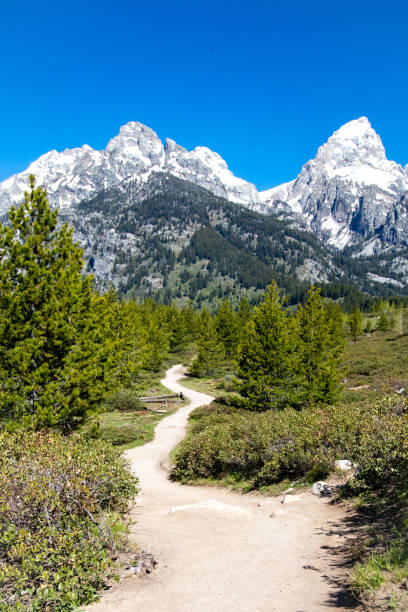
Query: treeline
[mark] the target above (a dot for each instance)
(349, 297)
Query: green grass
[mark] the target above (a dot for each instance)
(379, 360)
(215, 385)
(210, 386)
(378, 579)
(128, 429)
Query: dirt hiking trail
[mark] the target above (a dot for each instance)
(229, 554)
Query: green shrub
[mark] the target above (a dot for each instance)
(263, 448)
(124, 399)
(270, 447)
(383, 448)
(56, 496)
(119, 436)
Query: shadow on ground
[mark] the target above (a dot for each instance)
(341, 557)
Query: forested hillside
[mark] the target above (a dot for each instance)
(172, 239)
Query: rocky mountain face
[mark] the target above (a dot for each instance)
(134, 154)
(139, 203)
(349, 194)
(174, 239)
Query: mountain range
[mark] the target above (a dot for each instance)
(139, 204)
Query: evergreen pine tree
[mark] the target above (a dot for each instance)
(55, 357)
(175, 323)
(192, 322)
(355, 323)
(210, 350)
(244, 312)
(157, 344)
(336, 320)
(321, 343)
(384, 323)
(266, 362)
(228, 328)
(132, 330)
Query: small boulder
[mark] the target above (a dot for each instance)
(343, 464)
(289, 499)
(321, 489)
(278, 512)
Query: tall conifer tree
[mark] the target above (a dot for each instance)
(55, 360)
(210, 350)
(355, 324)
(321, 344)
(266, 361)
(228, 328)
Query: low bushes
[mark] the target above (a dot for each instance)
(57, 496)
(123, 399)
(267, 448)
(383, 449)
(119, 436)
(262, 448)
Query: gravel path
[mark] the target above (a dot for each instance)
(224, 551)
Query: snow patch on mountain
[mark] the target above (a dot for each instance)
(135, 153)
(382, 279)
(349, 192)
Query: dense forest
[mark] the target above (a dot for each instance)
(156, 239)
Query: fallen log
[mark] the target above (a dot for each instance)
(157, 399)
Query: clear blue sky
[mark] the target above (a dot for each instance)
(261, 83)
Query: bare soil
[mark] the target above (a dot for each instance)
(231, 553)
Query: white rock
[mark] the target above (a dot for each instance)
(343, 464)
(135, 153)
(211, 504)
(320, 488)
(350, 189)
(278, 512)
(289, 499)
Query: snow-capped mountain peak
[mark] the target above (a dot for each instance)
(349, 189)
(348, 193)
(135, 153)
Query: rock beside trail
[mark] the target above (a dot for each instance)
(278, 512)
(288, 499)
(343, 464)
(143, 562)
(321, 489)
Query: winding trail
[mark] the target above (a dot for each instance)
(228, 555)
